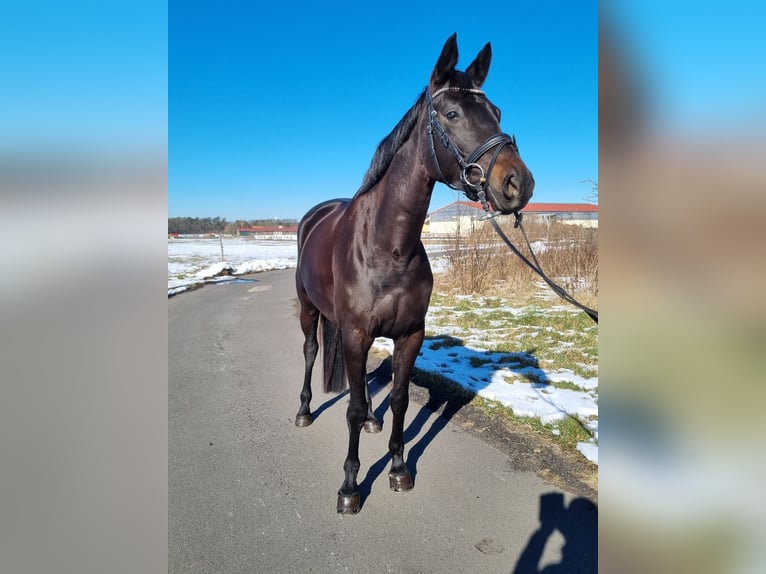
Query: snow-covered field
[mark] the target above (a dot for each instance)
(526, 389)
(195, 261)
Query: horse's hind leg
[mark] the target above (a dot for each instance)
(309, 318)
(405, 352)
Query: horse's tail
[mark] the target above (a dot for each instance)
(334, 364)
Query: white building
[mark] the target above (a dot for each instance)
(464, 217)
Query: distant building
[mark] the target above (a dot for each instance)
(460, 217)
(583, 214)
(464, 217)
(265, 232)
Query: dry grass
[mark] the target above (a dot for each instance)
(480, 264)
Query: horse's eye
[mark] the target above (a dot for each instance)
(452, 115)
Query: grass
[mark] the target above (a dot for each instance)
(479, 362)
(561, 338)
(442, 342)
(565, 385)
(566, 432)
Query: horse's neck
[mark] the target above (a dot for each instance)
(403, 197)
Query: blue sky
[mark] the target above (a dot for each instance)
(274, 108)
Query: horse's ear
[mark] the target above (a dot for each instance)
(479, 68)
(446, 63)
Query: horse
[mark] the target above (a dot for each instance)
(362, 271)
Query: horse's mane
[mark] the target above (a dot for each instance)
(390, 145)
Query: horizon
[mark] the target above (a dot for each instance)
(430, 211)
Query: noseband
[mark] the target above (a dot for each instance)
(474, 190)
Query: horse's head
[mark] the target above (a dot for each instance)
(465, 147)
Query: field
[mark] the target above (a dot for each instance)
(193, 261)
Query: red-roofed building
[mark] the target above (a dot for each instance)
(266, 232)
(465, 216)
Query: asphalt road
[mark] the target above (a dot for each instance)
(250, 492)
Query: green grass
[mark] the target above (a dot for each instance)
(561, 339)
(436, 343)
(571, 431)
(565, 385)
(568, 431)
(478, 361)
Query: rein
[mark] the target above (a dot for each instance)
(593, 314)
(478, 191)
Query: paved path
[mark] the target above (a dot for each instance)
(250, 492)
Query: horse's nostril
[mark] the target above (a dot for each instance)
(511, 186)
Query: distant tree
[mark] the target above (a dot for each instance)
(196, 225)
(592, 195)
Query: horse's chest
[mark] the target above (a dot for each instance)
(388, 298)
(397, 309)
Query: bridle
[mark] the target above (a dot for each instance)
(474, 190)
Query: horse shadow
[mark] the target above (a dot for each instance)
(578, 525)
(445, 398)
(449, 403)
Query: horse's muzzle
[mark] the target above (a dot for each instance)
(519, 185)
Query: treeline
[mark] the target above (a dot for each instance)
(200, 225)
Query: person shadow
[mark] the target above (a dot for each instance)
(577, 523)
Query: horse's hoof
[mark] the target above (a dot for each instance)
(400, 482)
(349, 503)
(303, 420)
(372, 426)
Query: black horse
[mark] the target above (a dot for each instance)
(362, 269)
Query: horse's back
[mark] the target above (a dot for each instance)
(324, 214)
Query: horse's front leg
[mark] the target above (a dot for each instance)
(406, 350)
(356, 345)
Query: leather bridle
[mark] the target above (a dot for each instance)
(475, 189)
